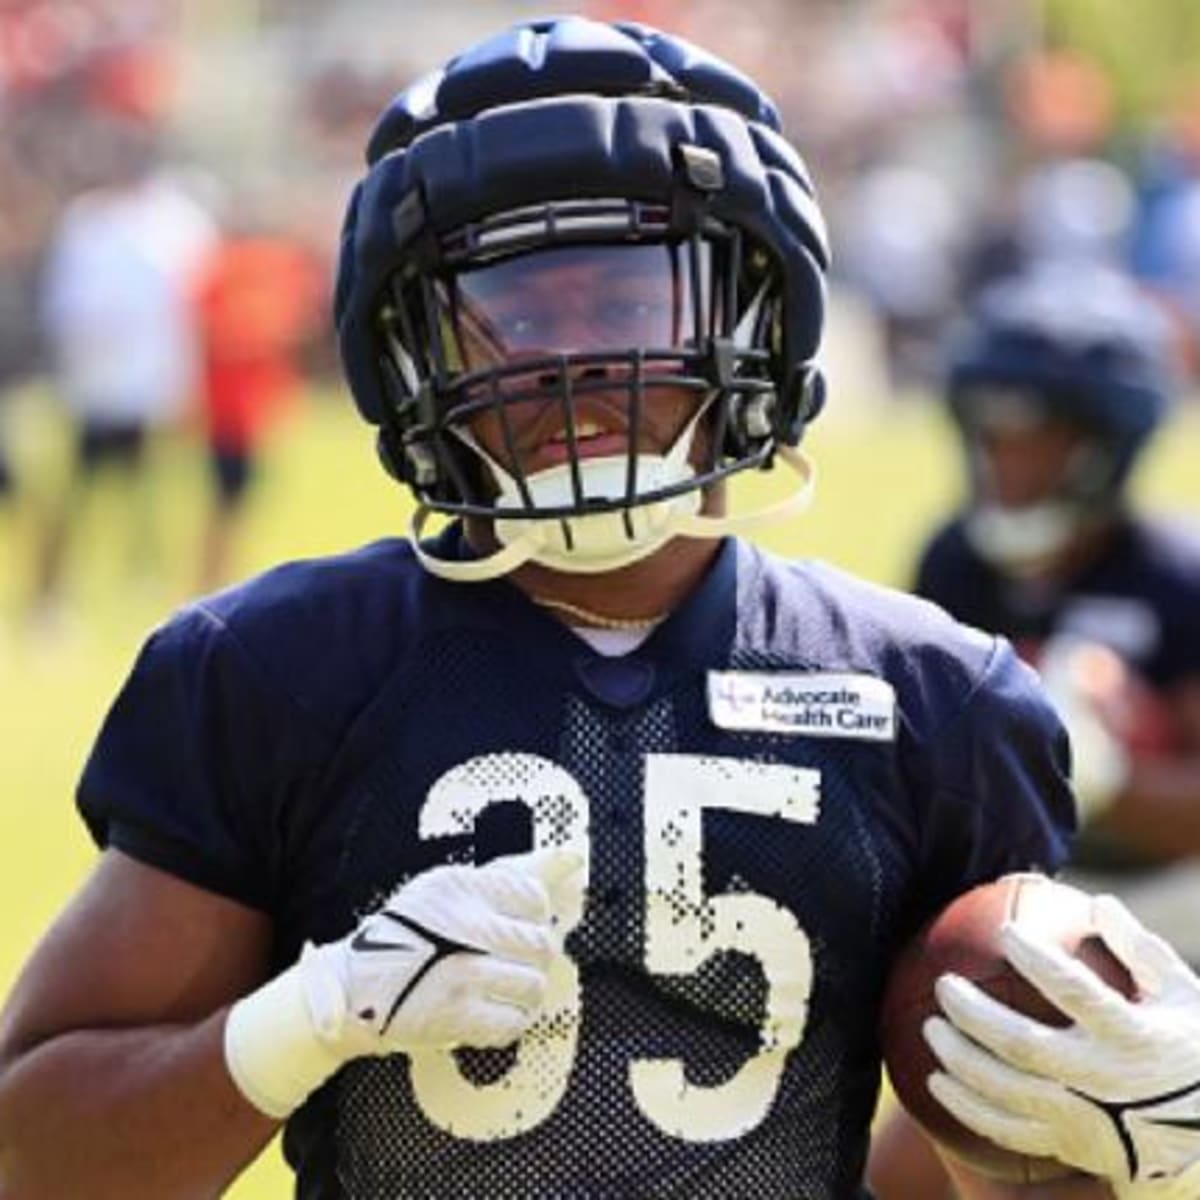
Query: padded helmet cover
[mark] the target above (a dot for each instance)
(572, 109)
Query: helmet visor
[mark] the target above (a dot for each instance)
(576, 299)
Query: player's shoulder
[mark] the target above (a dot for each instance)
(841, 615)
(948, 544)
(1168, 547)
(360, 584)
(947, 562)
(836, 621)
(318, 627)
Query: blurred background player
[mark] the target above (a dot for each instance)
(1056, 387)
(119, 332)
(258, 303)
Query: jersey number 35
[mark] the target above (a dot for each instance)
(683, 928)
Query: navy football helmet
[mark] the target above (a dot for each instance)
(1077, 345)
(571, 143)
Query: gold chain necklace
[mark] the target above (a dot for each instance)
(598, 620)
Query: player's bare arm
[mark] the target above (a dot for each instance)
(454, 957)
(120, 1012)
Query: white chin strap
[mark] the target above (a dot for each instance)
(1022, 541)
(601, 541)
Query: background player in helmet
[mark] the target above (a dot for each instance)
(1056, 385)
(766, 773)
(1056, 389)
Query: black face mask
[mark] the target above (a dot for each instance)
(511, 334)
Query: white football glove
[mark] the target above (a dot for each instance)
(1074, 673)
(1115, 1094)
(457, 956)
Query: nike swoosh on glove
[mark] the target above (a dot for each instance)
(457, 956)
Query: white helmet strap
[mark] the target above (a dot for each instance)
(541, 540)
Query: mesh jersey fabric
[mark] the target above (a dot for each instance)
(336, 726)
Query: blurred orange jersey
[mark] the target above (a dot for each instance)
(256, 304)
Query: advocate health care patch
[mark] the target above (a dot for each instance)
(814, 704)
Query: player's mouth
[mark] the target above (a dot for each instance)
(592, 440)
(600, 427)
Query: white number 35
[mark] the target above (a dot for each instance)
(684, 928)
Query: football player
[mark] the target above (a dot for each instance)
(563, 853)
(1056, 385)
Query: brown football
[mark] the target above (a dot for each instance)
(963, 938)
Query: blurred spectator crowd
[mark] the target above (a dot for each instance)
(953, 141)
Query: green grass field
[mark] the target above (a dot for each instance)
(884, 478)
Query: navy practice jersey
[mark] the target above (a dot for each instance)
(772, 792)
(1141, 597)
